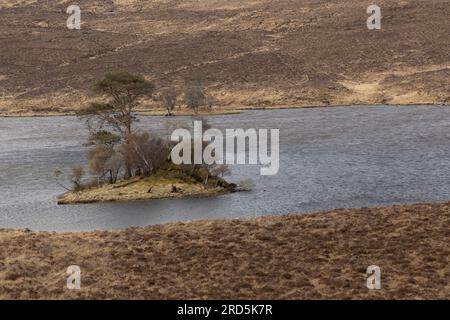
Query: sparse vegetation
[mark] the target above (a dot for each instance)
(144, 154)
(120, 152)
(194, 98)
(104, 162)
(257, 54)
(168, 98)
(76, 176)
(311, 256)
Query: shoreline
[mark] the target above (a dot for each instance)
(219, 111)
(79, 200)
(298, 256)
(168, 183)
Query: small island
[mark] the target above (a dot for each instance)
(167, 183)
(126, 163)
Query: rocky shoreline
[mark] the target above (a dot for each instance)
(309, 256)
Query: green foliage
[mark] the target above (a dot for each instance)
(122, 81)
(124, 91)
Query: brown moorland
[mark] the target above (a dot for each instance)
(312, 256)
(258, 53)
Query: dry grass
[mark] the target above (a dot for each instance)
(157, 186)
(259, 53)
(311, 256)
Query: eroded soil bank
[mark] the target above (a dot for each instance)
(322, 255)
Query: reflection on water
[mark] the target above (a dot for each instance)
(329, 158)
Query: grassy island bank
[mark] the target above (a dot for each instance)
(165, 184)
(309, 256)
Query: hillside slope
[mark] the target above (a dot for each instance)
(255, 53)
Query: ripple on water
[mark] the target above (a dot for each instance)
(330, 158)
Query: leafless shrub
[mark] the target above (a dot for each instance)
(75, 177)
(168, 98)
(221, 170)
(145, 154)
(194, 98)
(104, 161)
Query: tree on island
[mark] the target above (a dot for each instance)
(118, 150)
(145, 154)
(75, 178)
(124, 91)
(105, 161)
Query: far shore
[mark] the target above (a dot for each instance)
(307, 256)
(215, 112)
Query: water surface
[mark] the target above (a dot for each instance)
(329, 158)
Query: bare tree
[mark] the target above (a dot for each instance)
(209, 102)
(145, 154)
(57, 174)
(169, 99)
(75, 177)
(113, 165)
(221, 170)
(98, 158)
(194, 98)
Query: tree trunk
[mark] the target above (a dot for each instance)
(110, 177)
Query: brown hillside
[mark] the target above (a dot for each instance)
(313, 256)
(247, 53)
